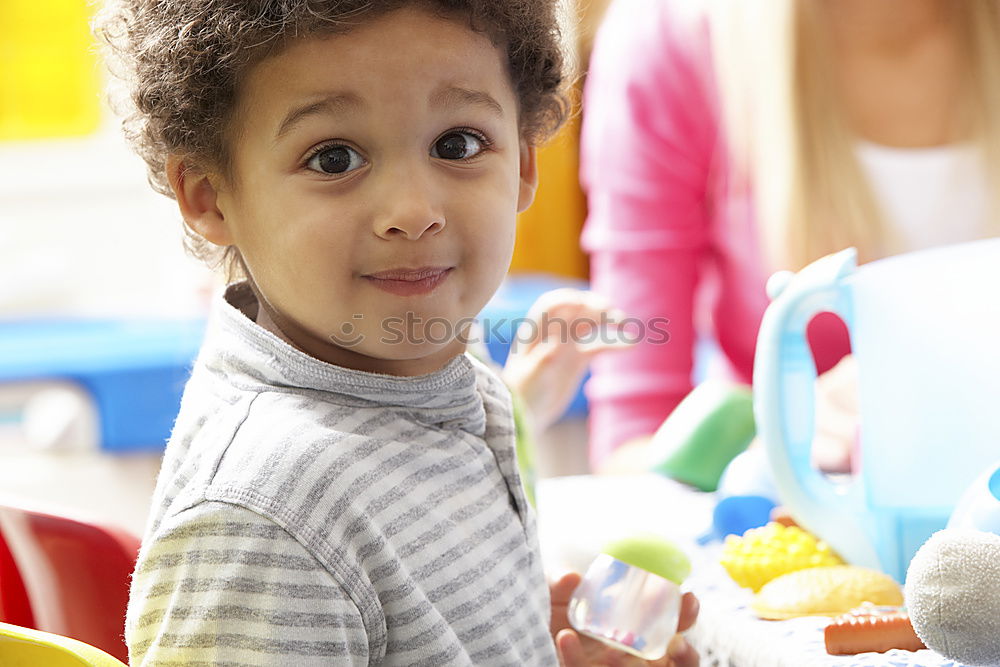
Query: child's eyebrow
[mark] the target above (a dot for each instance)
(448, 97)
(330, 104)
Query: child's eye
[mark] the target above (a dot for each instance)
(335, 160)
(459, 145)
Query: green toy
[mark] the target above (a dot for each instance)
(703, 434)
(653, 554)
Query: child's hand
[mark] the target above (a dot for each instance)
(837, 417)
(554, 346)
(577, 651)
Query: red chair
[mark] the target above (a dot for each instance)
(66, 576)
(14, 606)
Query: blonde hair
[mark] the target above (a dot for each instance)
(789, 140)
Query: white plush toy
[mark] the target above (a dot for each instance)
(953, 595)
(953, 583)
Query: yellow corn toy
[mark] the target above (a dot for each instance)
(764, 553)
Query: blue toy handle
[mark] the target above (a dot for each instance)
(784, 404)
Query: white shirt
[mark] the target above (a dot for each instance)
(930, 196)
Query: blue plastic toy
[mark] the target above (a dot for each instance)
(924, 328)
(134, 370)
(979, 508)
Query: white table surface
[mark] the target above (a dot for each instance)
(578, 514)
(106, 488)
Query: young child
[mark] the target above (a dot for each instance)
(340, 486)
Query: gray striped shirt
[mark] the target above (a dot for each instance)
(308, 514)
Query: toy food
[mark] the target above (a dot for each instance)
(630, 597)
(780, 514)
(871, 629)
(770, 551)
(825, 591)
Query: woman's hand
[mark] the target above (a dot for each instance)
(563, 331)
(577, 651)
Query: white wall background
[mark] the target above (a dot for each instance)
(81, 232)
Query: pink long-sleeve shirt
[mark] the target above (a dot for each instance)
(671, 229)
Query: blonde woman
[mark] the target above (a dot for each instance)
(726, 139)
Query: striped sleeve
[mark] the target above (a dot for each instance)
(222, 585)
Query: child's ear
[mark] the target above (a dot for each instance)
(197, 199)
(529, 176)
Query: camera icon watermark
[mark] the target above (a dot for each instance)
(349, 335)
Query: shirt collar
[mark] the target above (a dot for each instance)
(251, 355)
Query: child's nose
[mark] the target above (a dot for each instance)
(408, 211)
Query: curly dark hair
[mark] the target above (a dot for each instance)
(182, 61)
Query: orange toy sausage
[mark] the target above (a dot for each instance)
(859, 633)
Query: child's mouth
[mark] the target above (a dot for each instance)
(409, 282)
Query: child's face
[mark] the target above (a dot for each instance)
(392, 147)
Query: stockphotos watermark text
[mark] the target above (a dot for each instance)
(414, 330)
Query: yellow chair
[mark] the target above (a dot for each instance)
(21, 647)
